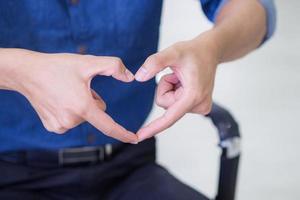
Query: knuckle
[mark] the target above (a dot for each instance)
(109, 132)
(61, 131)
(58, 129)
(117, 62)
(87, 60)
(205, 109)
(48, 128)
(124, 139)
(67, 123)
(86, 65)
(158, 101)
(155, 60)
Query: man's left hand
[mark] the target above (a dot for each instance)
(189, 88)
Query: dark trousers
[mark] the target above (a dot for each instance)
(129, 175)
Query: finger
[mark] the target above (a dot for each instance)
(171, 78)
(103, 122)
(169, 90)
(68, 120)
(156, 63)
(110, 66)
(165, 94)
(99, 101)
(167, 83)
(173, 114)
(50, 122)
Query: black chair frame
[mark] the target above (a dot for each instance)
(229, 142)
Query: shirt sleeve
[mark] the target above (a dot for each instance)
(212, 8)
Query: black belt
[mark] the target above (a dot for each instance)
(63, 157)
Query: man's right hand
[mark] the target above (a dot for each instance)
(58, 88)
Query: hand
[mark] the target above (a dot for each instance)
(58, 88)
(188, 89)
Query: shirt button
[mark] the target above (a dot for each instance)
(91, 138)
(81, 49)
(74, 2)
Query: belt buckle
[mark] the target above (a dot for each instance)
(108, 150)
(79, 155)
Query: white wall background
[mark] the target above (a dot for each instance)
(262, 91)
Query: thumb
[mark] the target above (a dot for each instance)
(111, 66)
(156, 63)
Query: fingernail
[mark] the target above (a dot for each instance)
(129, 74)
(140, 75)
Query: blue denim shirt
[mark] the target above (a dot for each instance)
(128, 29)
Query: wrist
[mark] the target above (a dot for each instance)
(7, 69)
(207, 43)
(13, 65)
(218, 45)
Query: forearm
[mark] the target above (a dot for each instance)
(240, 28)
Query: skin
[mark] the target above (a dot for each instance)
(41, 78)
(189, 88)
(63, 103)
